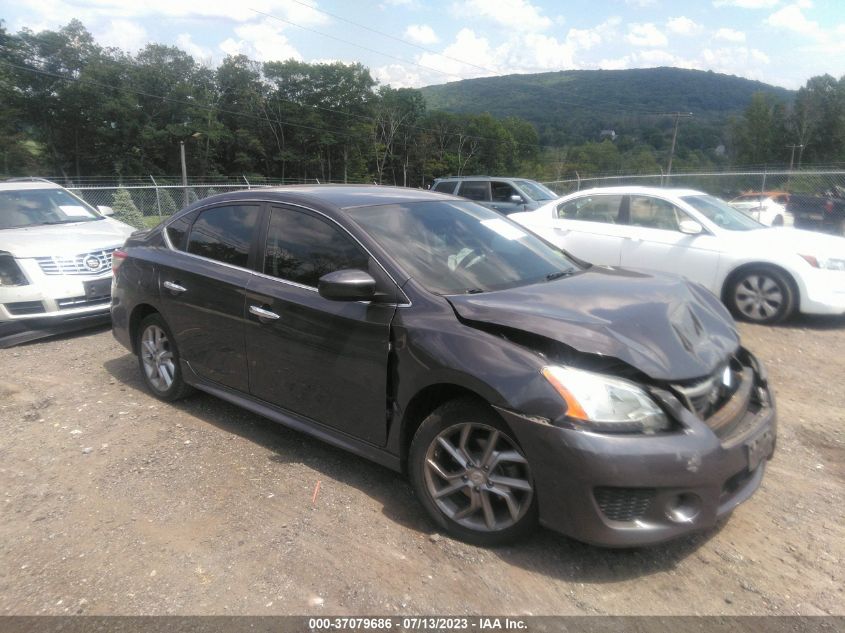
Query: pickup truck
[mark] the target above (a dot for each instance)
(825, 212)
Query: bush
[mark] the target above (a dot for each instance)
(125, 209)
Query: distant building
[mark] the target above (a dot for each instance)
(611, 134)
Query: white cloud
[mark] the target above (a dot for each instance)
(262, 41)
(467, 47)
(641, 3)
(200, 53)
(791, 18)
(398, 76)
(746, 4)
(421, 34)
(512, 14)
(124, 34)
(92, 11)
(645, 35)
(682, 25)
(729, 35)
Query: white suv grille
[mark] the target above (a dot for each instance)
(93, 263)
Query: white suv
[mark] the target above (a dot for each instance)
(55, 260)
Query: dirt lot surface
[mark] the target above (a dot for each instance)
(114, 503)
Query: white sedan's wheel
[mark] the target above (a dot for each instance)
(761, 295)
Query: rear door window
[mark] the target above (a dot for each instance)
(445, 187)
(475, 190)
(603, 208)
(225, 234)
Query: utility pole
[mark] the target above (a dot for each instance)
(184, 175)
(792, 154)
(677, 116)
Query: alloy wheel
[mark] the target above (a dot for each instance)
(478, 477)
(157, 358)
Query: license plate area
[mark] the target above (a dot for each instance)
(760, 448)
(99, 289)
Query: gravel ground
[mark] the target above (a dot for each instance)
(114, 503)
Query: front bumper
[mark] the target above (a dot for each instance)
(823, 292)
(52, 304)
(632, 490)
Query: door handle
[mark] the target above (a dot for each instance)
(174, 287)
(261, 313)
(634, 239)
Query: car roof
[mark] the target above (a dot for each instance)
(654, 191)
(332, 196)
(442, 178)
(18, 185)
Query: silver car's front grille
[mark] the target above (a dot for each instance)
(93, 263)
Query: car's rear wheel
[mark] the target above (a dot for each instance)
(158, 359)
(761, 295)
(471, 475)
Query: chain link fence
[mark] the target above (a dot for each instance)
(146, 202)
(725, 185)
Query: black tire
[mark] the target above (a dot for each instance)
(162, 378)
(778, 221)
(761, 295)
(512, 507)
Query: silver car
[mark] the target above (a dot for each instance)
(55, 260)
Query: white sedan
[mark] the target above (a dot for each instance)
(762, 274)
(766, 208)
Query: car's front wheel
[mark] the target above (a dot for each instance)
(471, 475)
(761, 295)
(158, 359)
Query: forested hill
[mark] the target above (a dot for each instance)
(576, 105)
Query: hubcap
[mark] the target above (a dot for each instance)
(758, 297)
(157, 358)
(478, 477)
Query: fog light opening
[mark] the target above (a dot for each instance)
(683, 508)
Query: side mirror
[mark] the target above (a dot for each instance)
(690, 227)
(347, 285)
(517, 199)
(104, 210)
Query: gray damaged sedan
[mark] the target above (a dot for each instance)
(511, 381)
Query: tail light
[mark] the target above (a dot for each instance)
(117, 258)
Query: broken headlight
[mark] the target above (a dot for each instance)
(604, 403)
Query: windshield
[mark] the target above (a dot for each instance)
(536, 191)
(34, 207)
(461, 247)
(722, 214)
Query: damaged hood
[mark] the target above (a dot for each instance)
(662, 325)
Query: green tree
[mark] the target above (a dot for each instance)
(125, 209)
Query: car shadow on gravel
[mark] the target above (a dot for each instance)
(814, 322)
(543, 552)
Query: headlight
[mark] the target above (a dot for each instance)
(10, 272)
(828, 263)
(606, 404)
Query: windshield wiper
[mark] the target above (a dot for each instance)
(559, 274)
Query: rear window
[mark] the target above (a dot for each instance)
(224, 234)
(445, 187)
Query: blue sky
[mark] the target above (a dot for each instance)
(416, 42)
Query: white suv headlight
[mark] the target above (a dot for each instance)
(604, 403)
(10, 272)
